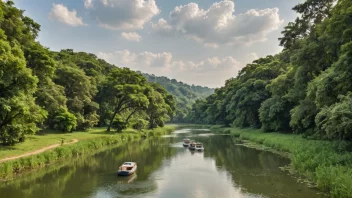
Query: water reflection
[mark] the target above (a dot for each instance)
(166, 169)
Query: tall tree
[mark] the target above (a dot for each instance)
(161, 106)
(18, 112)
(123, 90)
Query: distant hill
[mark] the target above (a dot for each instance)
(185, 94)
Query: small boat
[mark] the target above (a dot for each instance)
(127, 168)
(192, 146)
(199, 146)
(186, 142)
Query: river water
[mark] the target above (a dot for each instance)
(166, 169)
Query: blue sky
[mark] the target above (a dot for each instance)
(200, 42)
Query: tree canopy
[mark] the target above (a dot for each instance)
(304, 89)
(41, 89)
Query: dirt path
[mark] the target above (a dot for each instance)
(37, 151)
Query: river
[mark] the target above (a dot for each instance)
(166, 169)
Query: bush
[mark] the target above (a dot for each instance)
(336, 121)
(119, 124)
(140, 124)
(65, 122)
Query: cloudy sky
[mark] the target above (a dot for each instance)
(201, 42)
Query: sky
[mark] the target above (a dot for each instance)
(201, 42)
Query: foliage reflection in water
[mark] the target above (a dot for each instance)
(166, 169)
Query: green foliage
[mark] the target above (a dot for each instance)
(239, 101)
(119, 124)
(184, 94)
(124, 90)
(302, 116)
(18, 112)
(321, 161)
(335, 121)
(297, 90)
(161, 105)
(139, 124)
(274, 115)
(65, 122)
(66, 90)
(9, 169)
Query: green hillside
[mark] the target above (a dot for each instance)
(185, 94)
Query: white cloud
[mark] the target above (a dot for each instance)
(251, 57)
(142, 60)
(131, 36)
(211, 72)
(60, 13)
(88, 3)
(218, 24)
(124, 14)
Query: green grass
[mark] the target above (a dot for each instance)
(327, 163)
(36, 142)
(48, 138)
(88, 142)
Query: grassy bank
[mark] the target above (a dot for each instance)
(88, 142)
(328, 164)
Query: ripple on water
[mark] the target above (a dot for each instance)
(182, 131)
(206, 134)
(168, 136)
(201, 130)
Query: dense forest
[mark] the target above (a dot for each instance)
(66, 90)
(305, 89)
(185, 95)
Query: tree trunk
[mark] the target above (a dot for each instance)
(151, 120)
(128, 118)
(117, 109)
(112, 119)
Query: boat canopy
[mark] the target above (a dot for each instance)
(128, 164)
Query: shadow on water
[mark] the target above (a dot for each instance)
(165, 169)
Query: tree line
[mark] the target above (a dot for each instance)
(305, 89)
(41, 89)
(185, 95)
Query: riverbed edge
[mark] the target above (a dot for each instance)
(321, 162)
(17, 167)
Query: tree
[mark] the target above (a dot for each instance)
(312, 12)
(335, 122)
(18, 111)
(80, 92)
(161, 105)
(123, 90)
(65, 121)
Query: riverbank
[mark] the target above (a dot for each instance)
(87, 142)
(326, 163)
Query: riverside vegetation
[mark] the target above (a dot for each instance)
(89, 142)
(70, 91)
(326, 163)
(304, 92)
(47, 95)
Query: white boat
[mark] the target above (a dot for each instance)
(199, 146)
(192, 146)
(186, 142)
(127, 168)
